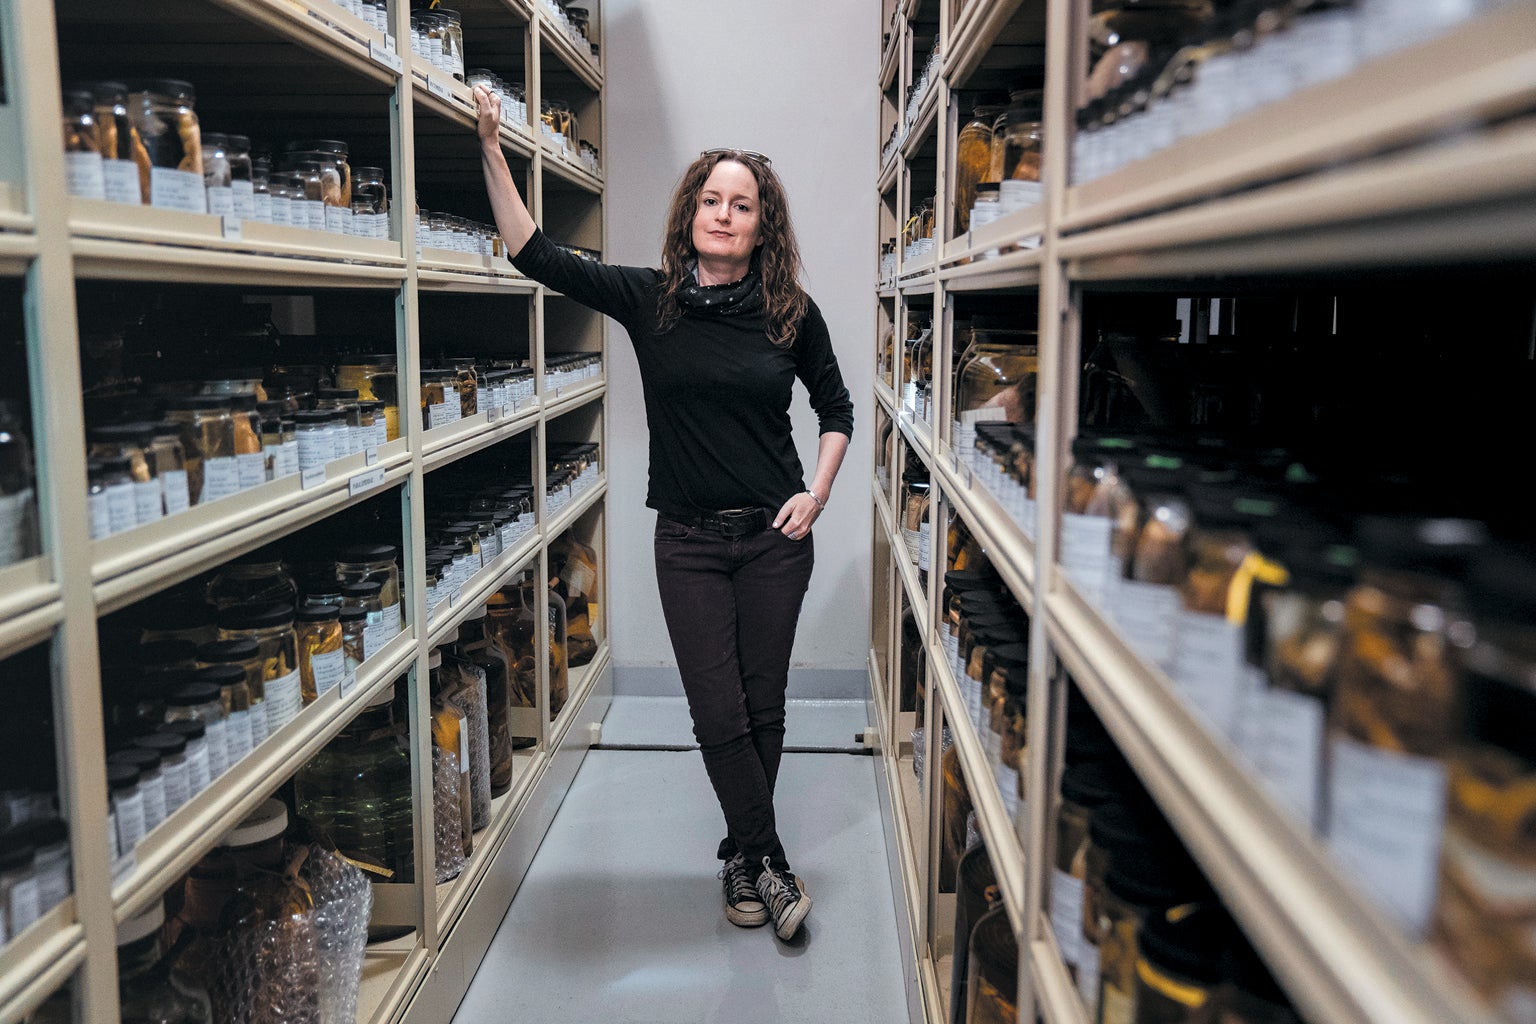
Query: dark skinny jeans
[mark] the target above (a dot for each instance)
(732, 605)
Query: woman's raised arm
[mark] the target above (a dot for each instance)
(512, 217)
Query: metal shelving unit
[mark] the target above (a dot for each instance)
(1417, 158)
(49, 242)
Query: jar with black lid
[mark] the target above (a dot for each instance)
(1084, 788)
(174, 767)
(1179, 962)
(271, 626)
(203, 702)
(162, 114)
(208, 439)
(195, 735)
(84, 177)
(115, 140)
(235, 702)
(151, 785)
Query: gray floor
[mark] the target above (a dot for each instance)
(663, 722)
(619, 919)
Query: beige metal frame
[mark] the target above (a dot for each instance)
(1356, 173)
(47, 240)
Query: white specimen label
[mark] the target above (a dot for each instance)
(244, 198)
(175, 778)
(198, 772)
(237, 735)
(221, 478)
(1148, 616)
(153, 792)
(252, 467)
(122, 511)
(101, 520)
(84, 175)
(1067, 914)
(1290, 754)
(221, 200)
(217, 738)
(146, 501)
(122, 182)
(1385, 816)
(328, 668)
(284, 699)
(1085, 552)
(1208, 667)
(130, 820)
(171, 189)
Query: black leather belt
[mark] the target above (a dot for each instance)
(731, 522)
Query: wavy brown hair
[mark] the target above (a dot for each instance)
(777, 258)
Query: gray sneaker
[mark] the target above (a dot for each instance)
(742, 906)
(786, 899)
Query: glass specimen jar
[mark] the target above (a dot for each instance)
(151, 784)
(174, 767)
(357, 791)
(216, 174)
(257, 577)
(439, 397)
(127, 817)
(170, 461)
(329, 158)
(322, 663)
(973, 158)
(207, 433)
(84, 175)
(1147, 600)
(237, 151)
(992, 970)
(147, 988)
(250, 459)
(18, 501)
(166, 124)
(450, 733)
(370, 187)
(1179, 965)
(271, 626)
(1084, 788)
(247, 715)
(130, 441)
(202, 702)
(117, 143)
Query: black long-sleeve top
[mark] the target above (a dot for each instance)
(717, 391)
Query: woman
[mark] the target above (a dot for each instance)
(721, 331)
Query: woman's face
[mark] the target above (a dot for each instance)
(725, 223)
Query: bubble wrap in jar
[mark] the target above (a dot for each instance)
(447, 819)
(470, 698)
(343, 903)
(268, 972)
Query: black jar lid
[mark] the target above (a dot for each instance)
(319, 613)
(1152, 875)
(312, 416)
(1118, 825)
(255, 616)
(110, 92)
(220, 675)
(1093, 783)
(1008, 656)
(368, 553)
(215, 651)
(352, 614)
(338, 394)
(363, 588)
(173, 87)
(167, 744)
(1188, 941)
(15, 854)
(121, 776)
(199, 403)
(142, 758)
(189, 731)
(216, 139)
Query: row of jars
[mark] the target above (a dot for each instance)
(1161, 75)
(1139, 928)
(214, 446)
(474, 530)
(577, 24)
(558, 124)
(375, 13)
(571, 369)
(457, 388)
(202, 676)
(145, 146)
(34, 860)
(457, 234)
(998, 159)
(514, 98)
(1372, 670)
(264, 928)
(19, 537)
(437, 37)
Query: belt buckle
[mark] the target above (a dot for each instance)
(737, 522)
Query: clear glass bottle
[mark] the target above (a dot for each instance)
(250, 459)
(195, 735)
(117, 143)
(354, 621)
(203, 702)
(512, 625)
(208, 439)
(450, 734)
(361, 563)
(236, 701)
(164, 118)
(18, 500)
(216, 174)
(271, 626)
(170, 461)
(116, 478)
(1084, 788)
(237, 152)
(465, 689)
(151, 784)
(322, 662)
(1147, 600)
(147, 988)
(84, 175)
(258, 577)
(357, 791)
(365, 595)
(127, 807)
(992, 983)
(132, 441)
(174, 767)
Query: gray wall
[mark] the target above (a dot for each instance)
(793, 79)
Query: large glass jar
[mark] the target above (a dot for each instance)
(201, 702)
(170, 460)
(996, 378)
(208, 439)
(322, 662)
(234, 706)
(1084, 788)
(250, 459)
(992, 984)
(916, 530)
(956, 809)
(117, 143)
(513, 628)
(361, 563)
(18, 501)
(1147, 600)
(1141, 883)
(973, 158)
(246, 654)
(1022, 153)
(83, 173)
(1484, 912)
(1179, 965)
(330, 159)
(370, 186)
(1086, 525)
(450, 733)
(357, 791)
(1117, 832)
(128, 441)
(1399, 709)
(147, 988)
(166, 123)
(451, 31)
(258, 577)
(216, 174)
(270, 625)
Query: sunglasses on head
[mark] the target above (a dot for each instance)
(749, 154)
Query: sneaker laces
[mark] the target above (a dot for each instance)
(736, 877)
(783, 894)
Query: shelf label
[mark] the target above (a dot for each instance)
(385, 56)
(365, 481)
(370, 456)
(314, 476)
(493, 414)
(438, 88)
(232, 228)
(347, 685)
(453, 598)
(508, 410)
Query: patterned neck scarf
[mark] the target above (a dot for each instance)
(738, 298)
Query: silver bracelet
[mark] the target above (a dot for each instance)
(821, 505)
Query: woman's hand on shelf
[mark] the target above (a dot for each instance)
(488, 114)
